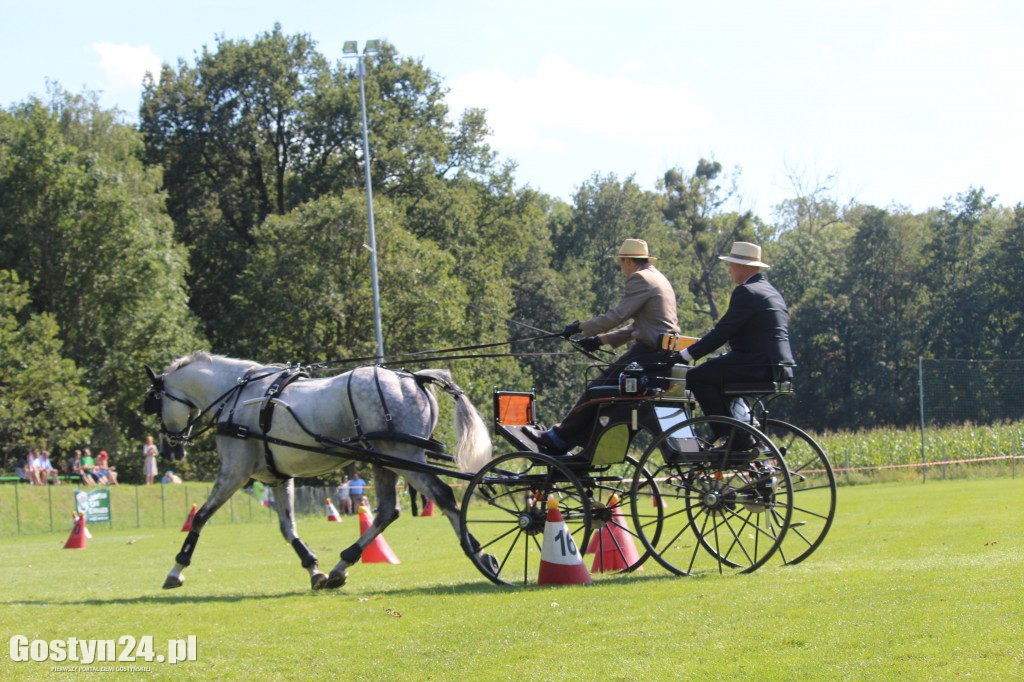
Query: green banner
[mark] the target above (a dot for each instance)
(95, 504)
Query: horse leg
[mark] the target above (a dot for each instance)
(386, 486)
(441, 493)
(284, 502)
(228, 481)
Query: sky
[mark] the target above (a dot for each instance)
(887, 102)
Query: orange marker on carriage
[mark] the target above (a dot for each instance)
(560, 559)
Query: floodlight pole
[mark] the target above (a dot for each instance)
(350, 47)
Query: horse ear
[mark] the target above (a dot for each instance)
(150, 372)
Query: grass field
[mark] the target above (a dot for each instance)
(913, 582)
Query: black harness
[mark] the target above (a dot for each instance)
(359, 446)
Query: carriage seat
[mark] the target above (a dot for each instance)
(603, 392)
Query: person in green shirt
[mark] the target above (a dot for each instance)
(88, 468)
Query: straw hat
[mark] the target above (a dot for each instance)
(745, 253)
(634, 248)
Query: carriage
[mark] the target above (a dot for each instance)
(645, 486)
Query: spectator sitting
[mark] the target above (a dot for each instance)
(89, 467)
(21, 469)
(170, 477)
(47, 470)
(76, 468)
(103, 469)
(35, 460)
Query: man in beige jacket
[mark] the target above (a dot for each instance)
(647, 309)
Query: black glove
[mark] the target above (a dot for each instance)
(571, 329)
(589, 344)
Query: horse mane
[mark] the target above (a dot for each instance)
(194, 356)
(205, 356)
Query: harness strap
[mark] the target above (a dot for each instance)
(383, 403)
(285, 378)
(275, 389)
(352, 404)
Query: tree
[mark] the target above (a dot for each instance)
(961, 238)
(305, 295)
(693, 208)
(1003, 284)
(888, 312)
(255, 129)
(42, 401)
(85, 228)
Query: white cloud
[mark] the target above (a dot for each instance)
(124, 66)
(561, 102)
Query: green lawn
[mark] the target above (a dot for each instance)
(914, 582)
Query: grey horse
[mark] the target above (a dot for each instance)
(273, 425)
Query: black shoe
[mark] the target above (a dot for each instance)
(543, 441)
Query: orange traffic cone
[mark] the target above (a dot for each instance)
(332, 513)
(614, 547)
(188, 521)
(77, 538)
(560, 560)
(378, 551)
(428, 508)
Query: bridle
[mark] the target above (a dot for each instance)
(153, 404)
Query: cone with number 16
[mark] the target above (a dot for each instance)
(561, 562)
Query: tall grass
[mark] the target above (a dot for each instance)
(891, 447)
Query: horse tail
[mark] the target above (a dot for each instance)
(473, 448)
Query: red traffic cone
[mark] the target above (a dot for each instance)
(378, 551)
(187, 526)
(332, 513)
(613, 545)
(560, 560)
(428, 508)
(77, 538)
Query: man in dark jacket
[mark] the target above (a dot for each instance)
(756, 327)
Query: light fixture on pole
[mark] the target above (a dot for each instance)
(351, 48)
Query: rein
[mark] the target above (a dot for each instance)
(414, 355)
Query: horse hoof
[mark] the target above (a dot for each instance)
(335, 580)
(317, 580)
(174, 581)
(492, 564)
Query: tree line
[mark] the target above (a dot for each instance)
(232, 217)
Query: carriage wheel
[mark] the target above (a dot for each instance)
(505, 509)
(614, 541)
(814, 490)
(719, 513)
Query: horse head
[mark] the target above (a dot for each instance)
(177, 415)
